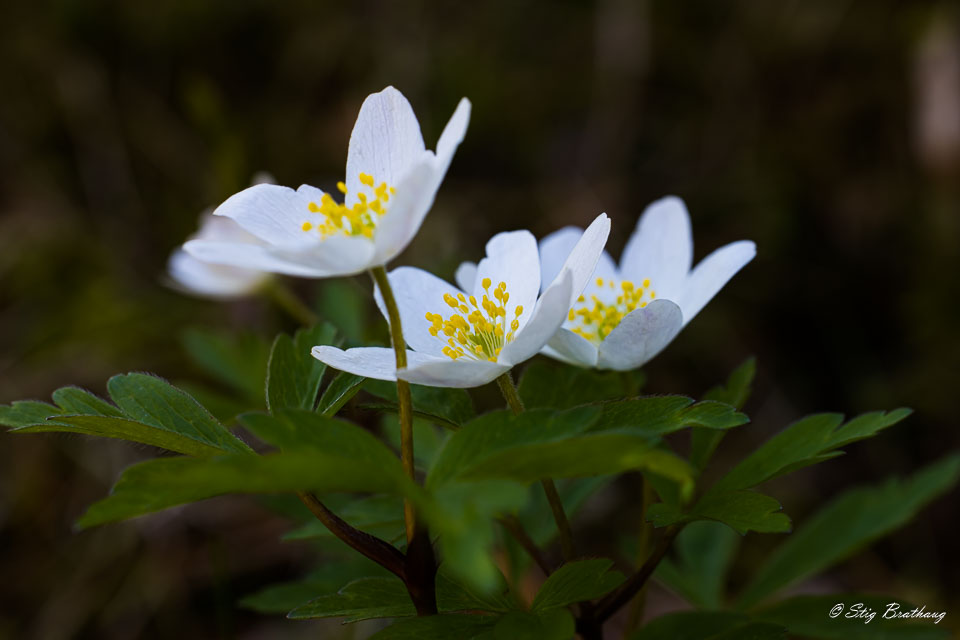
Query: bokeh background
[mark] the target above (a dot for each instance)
(827, 131)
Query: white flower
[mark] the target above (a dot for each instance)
(191, 275)
(469, 337)
(626, 316)
(390, 185)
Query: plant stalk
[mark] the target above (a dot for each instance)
(509, 391)
(284, 298)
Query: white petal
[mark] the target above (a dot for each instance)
(211, 280)
(452, 136)
(418, 292)
(661, 247)
(406, 211)
(585, 255)
(567, 346)
(222, 228)
(547, 317)
(556, 247)
(337, 256)
(512, 258)
(460, 373)
(371, 362)
(711, 274)
(640, 336)
(466, 276)
(385, 143)
(275, 214)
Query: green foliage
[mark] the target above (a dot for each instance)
(149, 411)
(238, 361)
(741, 510)
(691, 625)
(558, 386)
(577, 581)
(736, 392)
(552, 624)
(445, 406)
(339, 392)
(362, 599)
(327, 578)
(803, 443)
(660, 415)
(704, 551)
(462, 627)
(378, 515)
(849, 522)
(293, 375)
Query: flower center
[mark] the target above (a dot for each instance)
(476, 331)
(358, 220)
(595, 320)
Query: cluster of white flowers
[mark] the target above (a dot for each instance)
(563, 296)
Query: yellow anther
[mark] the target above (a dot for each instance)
(342, 187)
(595, 320)
(486, 283)
(478, 333)
(450, 300)
(355, 220)
(366, 179)
(313, 208)
(518, 310)
(306, 226)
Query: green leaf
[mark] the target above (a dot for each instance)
(848, 523)
(426, 434)
(536, 517)
(339, 392)
(805, 442)
(293, 375)
(79, 401)
(361, 599)
(344, 304)
(703, 553)
(576, 582)
(446, 406)
(378, 515)
(554, 624)
(587, 455)
(327, 578)
(24, 413)
(107, 427)
(690, 625)
(441, 627)
(741, 510)
(551, 385)
(158, 484)
(703, 442)
(815, 617)
(502, 430)
(239, 361)
(753, 631)
(154, 402)
(660, 415)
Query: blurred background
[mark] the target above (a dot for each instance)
(827, 131)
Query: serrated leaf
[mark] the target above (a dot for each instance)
(743, 511)
(362, 599)
(502, 430)
(577, 581)
(24, 413)
(703, 552)
(325, 579)
(703, 442)
(293, 375)
(339, 392)
(378, 515)
(440, 627)
(446, 406)
(74, 400)
(239, 360)
(166, 482)
(660, 415)
(123, 429)
(813, 617)
(155, 402)
(805, 441)
(846, 524)
(550, 385)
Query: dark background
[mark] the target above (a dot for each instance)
(826, 131)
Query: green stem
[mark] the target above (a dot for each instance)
(284, 298)
(509, 391)
(404, 400)
(643, 552)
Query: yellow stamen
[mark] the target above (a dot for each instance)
(477, 331)
(357, 220)
(595, 320)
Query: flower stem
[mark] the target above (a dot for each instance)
(643, 551)
(509, 391)
(284, 298)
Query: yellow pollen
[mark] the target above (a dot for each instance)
(357, 220)
(478, 330)
(594, 320)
